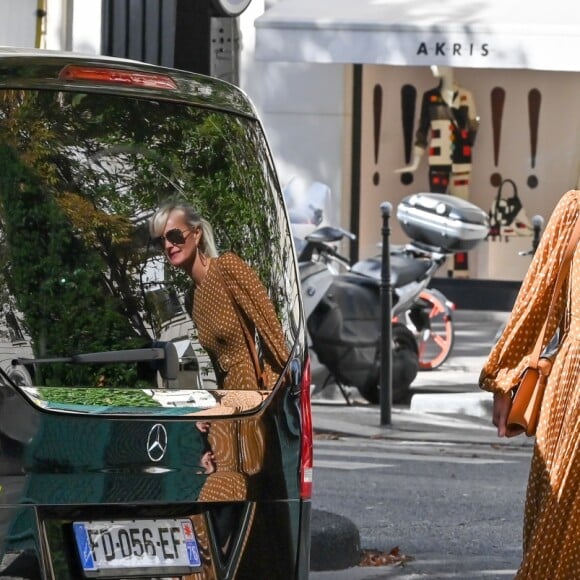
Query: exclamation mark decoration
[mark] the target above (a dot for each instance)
(377, 116)
(497, 103)
(534, 104)
(408, 101)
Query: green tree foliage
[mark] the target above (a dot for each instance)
(56, 280)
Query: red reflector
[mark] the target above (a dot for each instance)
(306, 450)
(73, 72)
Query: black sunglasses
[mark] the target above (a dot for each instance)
(174, 236)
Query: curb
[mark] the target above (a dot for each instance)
(335, 542)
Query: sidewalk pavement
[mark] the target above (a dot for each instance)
(446, 405)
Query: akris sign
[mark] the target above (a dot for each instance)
(452, 49)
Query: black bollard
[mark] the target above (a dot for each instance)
(537, 224)
(386, 352)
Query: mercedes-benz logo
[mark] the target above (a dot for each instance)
(157, 442)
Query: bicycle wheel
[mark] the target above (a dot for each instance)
(433, 327)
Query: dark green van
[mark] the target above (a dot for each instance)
(121, 455)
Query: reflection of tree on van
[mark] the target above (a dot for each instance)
(230, 303)
(57, 279)
(74, 199)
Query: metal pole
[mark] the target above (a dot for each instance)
(538, 224)
(386, 323)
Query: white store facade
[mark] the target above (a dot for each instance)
(312, 67)
(527, 54)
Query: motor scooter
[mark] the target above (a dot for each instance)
(425, 311)
(342, 312)
(342, 303)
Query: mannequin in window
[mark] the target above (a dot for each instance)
(447, 127)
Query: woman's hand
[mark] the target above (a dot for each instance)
(502, 403)
(207, 462)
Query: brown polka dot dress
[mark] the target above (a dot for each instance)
(551, 542)
(219, 327)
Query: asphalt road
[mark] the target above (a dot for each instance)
(436, 483)
(455, 508)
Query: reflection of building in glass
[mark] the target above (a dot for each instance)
(195, 367)
(171, 311)
(16, 334)
(13, 344)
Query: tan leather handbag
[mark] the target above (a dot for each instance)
(527, 401)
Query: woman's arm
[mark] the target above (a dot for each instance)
(252, 297)
(510, 355)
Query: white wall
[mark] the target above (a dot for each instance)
(58, 30)
(68, 25)
(307, 114)
(18, 23)
(86, 26)
(74, 25)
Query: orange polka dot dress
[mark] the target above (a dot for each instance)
(551, 539)
(219, 326)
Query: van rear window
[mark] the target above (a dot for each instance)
(86, 288)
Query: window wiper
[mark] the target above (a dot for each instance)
(165, 352)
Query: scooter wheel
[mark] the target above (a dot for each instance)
(435, 330)
(405, 358)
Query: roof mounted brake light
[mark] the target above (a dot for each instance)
(103, 75)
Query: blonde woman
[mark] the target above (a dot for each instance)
(230, 303)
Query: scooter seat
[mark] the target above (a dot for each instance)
(404, 269)
(357, 279)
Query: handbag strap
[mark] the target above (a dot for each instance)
(514, 188)
(496, 203)
(249, 340)
(562, 274)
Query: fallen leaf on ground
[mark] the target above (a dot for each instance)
(379, 558)
(332, 436)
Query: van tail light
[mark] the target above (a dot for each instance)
(115, 76)
(306, 446)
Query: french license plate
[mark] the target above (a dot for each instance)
(133, 547)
